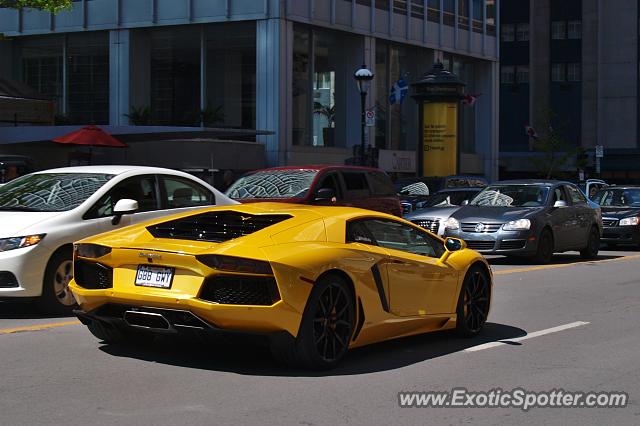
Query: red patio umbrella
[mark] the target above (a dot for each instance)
(90, 136)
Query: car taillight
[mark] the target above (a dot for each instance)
(91, 251)
(235, 264)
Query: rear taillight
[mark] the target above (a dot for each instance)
(91, 251)
(235, 264)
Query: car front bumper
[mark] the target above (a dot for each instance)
(621, 235)
(22, 271)
(516, 243)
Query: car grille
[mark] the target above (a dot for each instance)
(429, 224)
(8, 280)
(480, 245)
(93, 276)
(488, 227)
(609, 222)
(240, 290)
(512, 244)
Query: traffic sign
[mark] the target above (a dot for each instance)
(370, 118)
(599, 151)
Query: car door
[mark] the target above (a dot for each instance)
(584, 216)
(562, 219)
(331, 181)
(144, 189)
(418, 284)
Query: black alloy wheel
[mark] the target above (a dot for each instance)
(473, 304)
(544, 253)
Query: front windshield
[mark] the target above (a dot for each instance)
(512, 196)
(618, 197)
(50, 192)
(273, 184)
(449, 198)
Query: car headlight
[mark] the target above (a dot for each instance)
(452, 223)
(517, 225)
(91, 251)
(20, 242)
(628, 221)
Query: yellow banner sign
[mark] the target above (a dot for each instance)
(440, 139)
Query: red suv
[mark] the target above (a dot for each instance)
(362, 187)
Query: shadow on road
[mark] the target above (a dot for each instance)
(558, 259)
(252, 358)
(25, 310)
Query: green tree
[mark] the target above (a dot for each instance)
(54, 6)
(556, 152)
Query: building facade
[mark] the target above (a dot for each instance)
(571, 65)
(285, 66)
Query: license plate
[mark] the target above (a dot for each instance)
(154, 276)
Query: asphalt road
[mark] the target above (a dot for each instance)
(52, 371)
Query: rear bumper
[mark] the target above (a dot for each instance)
(621, 235)
(246, 319)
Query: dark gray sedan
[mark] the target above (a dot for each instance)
(620, 215)
(528, 218)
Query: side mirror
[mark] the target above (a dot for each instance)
(325, 194)
(464, 203)
(122, 207)
(560, 204)
(451, 245)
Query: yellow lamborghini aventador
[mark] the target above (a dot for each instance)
(316, 280)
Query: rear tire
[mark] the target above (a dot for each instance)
(56, 297)
(473, 303)
(544, 252)
(593, 245)
(325, 330)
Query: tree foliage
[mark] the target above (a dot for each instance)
(54, 6)
(556, 152)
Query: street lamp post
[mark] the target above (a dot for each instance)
(363, 77)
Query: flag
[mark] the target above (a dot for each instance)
(530, 131)
(398, 92)
(470, 99)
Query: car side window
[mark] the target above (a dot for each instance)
(330, 181)
(180, 192)
(357, 232)
(355, 184)
(576, 195)
(558, 195)
(143, 189)
(397, 236)
(381, 184)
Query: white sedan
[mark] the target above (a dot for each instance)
(43, 213)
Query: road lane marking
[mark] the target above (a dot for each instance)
(37, 327)
(527, 337)
(562, 265)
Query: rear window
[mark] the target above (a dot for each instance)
(215, 227)
(355, 181)
(381, 184)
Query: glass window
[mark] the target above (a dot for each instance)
(558, 195)
(50, 192)
(381, 184)
(301, 85)
(491, 17)
(522, 32)
(463, 14)
(325, 76)
(175, 76)
(143, 189)
(574, 30)
(230, 75)
(88, 78)
(508, 32)
(507, 74)
(183, 193)
(448, 12)
(42, 68)
(284, 183)
(629, 197)
(396, 236)
(382, 94)
(558, 72)
(574, 71)
(434, 10)
(522, 74)
(511, 196)
(355, 181)
(558, 30)
(330, 181)
(576, 195)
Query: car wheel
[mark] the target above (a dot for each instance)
(325, 330)
(544, 253)
(593, 245)
(56, 297)
(473, 303)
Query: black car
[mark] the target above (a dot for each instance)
(620, 215)
(415, 191)
(528, 218)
